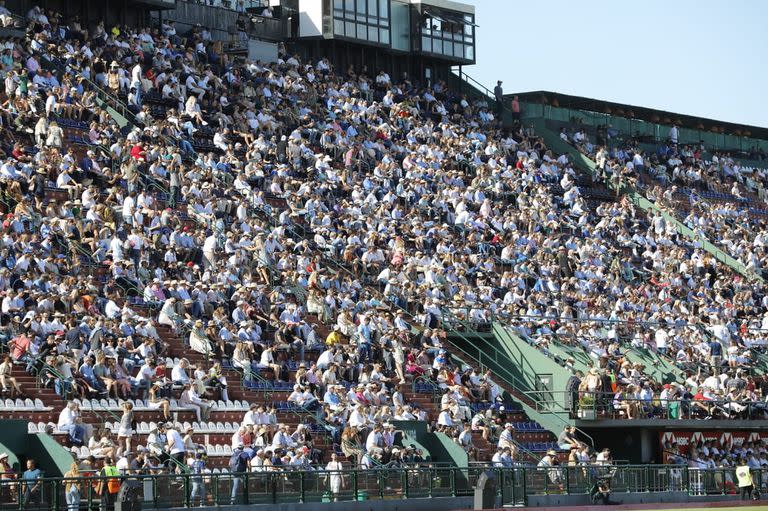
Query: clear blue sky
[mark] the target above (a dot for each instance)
(696, 57)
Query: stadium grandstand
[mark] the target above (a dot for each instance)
(260, 253)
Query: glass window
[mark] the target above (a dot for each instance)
(373, 34)
(360, 7)
(372, 10)
(458, 50)
(362, 31)
(426, 44)
(469, 52)
(338, 27)
(437, 46)
(384, 35)
(338, 4)
(384, 9)
(350, 5)
(349, 29)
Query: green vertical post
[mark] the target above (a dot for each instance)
(354, 484)
(453, 481)
(301, 487)
(381, 484)
(186, 490)
(55, 496)
(525, 486)
(89, 496)
(405, 483)
(647, 479)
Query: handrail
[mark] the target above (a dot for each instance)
(482, 88)
(654, 408)
(515, 484)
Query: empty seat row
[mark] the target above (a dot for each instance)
(23, 405)
(144, 428)
(218, 450)
(141, 405)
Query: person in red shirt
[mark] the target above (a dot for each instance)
(138, 152)
(701, 402)
(19, 346)
(20, 154)
(515, 109)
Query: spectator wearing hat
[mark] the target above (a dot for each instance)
(7, 475)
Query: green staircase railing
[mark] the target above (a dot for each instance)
(556, 144)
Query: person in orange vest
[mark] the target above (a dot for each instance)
(110, 485)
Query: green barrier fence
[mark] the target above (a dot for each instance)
(514, 485)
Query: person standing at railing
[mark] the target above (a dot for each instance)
(746, 485)
(498, 94)
(110, 485)
(197, 468)
(335, 476)
(515, 109)
(32, 483)
(72, 487)
(550, 460)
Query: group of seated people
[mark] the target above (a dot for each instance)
(360, 216)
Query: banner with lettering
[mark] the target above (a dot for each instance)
(724, 439)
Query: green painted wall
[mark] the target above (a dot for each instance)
(52, 458)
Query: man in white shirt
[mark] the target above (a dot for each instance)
(282, 439)
(175, 445)
(444, 420)
(179, 374)
(136, 73)
(209, 251)
(374, 443)
(69, 422)
(506, 438)
(356, 418)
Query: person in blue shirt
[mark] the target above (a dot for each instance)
(197, 468)
(364, 335)
(32, 484)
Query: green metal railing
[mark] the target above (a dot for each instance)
(607, 405)
(513, 485)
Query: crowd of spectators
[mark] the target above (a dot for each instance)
(263, 211)
(683, 305)
(231, 247)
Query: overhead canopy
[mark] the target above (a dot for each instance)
(640, 113)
